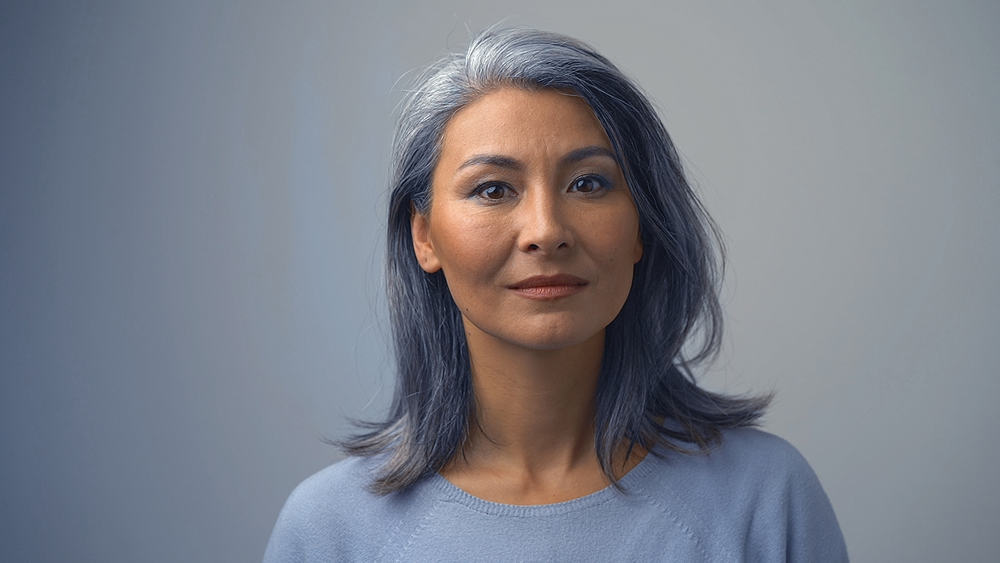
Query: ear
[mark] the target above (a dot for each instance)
(423, 249)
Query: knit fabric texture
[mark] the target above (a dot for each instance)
(752, 498)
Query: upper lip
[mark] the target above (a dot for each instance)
(542, 281)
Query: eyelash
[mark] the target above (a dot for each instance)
(603, 184)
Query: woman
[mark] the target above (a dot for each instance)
(549, 271)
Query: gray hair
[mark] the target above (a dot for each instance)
(670, 322)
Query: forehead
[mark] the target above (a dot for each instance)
(522, 123)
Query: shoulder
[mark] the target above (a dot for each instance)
(335, 499)
(769, 471)
(327, 491)
(745, 459)
(760, 457)
(756, 489)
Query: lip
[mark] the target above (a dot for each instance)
(549, 287)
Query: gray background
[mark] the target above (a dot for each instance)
(190, 249)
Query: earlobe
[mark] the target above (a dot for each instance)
(423, 249)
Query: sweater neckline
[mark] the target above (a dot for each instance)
(448, 492)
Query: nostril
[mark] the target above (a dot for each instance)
(546, 247)
(535, 246)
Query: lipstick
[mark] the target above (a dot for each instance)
(547, 288)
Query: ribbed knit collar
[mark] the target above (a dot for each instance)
(445, 491)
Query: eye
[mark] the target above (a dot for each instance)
(493, 191)
(590, 184)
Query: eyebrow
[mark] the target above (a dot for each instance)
(512, 163)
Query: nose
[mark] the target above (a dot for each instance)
(544, 223)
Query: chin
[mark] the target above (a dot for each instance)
(548, 345)
(540, 333)
(554, 338)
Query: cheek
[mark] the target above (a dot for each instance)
(616, 240)
(470, 251)
(615, 253)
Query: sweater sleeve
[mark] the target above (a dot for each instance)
(286, 544)
(325, 518)
(775, 502)
(813, 533)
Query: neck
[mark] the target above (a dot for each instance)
(534, 408)
(534, 438)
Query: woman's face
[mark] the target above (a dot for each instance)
(530, 220)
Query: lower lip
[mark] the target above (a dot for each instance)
(548, 292)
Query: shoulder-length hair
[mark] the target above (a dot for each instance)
(671, 319)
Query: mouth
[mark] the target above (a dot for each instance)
(549, 287)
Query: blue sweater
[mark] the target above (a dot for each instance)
(753, 498)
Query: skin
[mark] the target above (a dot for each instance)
(527, 185)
